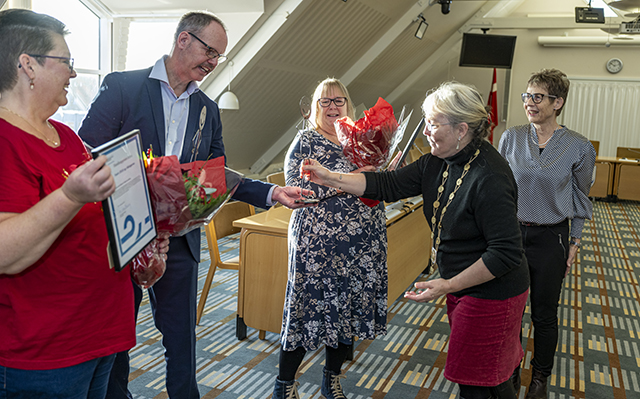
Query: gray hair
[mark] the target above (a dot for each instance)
(460, 103)
(195, 22)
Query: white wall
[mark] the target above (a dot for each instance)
(529, 57)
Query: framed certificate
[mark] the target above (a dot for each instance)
(127, 211)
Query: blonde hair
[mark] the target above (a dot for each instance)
(322, 89)
(459, 103)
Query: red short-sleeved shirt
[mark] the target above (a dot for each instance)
(69, 306)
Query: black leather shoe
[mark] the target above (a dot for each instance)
(538, 386)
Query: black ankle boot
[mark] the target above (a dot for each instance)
(538, 386)
(285, 390)
(331, 387)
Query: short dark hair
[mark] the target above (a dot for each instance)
(195, 22)
(555, 81)
(24, 32)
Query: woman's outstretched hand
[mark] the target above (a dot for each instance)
(429, 290)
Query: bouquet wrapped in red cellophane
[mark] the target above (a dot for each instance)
(187, 196)
(184, 197)
(372, 139)
(148, 266)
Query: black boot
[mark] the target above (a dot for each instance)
(515, 379)
(285, 390)
(538, 386)
(331, 388)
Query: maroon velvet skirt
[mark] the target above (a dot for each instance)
(484, 346)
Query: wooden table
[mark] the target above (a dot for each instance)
(262, 278)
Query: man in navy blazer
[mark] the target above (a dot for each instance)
(164, 102)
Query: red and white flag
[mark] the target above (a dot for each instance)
(493, 103)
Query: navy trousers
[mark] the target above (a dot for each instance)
(546, 249)
(173, 303)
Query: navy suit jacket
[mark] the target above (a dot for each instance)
(131, 100)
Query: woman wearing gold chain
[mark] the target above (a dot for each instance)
(476, 237)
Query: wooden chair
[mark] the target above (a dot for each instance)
(626, 152)
(221, 226)
(415, 153)
(277, 178)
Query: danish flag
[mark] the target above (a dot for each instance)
(493, 103)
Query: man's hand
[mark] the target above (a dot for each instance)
(288, 195)
(163, 244)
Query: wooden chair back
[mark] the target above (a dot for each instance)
(416, 153)
(626, 152)
(277, 178)
(221, 226)
(596, 145)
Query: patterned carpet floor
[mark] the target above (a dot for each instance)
(598, 354)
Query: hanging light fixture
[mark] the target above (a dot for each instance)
(228, 100)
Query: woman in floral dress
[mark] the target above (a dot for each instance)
(337, 285)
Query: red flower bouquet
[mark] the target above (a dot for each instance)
(148, 266)
(372, 139)
(187, 196)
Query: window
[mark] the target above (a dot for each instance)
(84, 44)
(142, 52)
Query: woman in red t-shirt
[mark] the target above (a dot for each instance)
(64, 312)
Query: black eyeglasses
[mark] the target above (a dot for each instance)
(338, 101)
(65, 60)
(211, 52)
(536, 97)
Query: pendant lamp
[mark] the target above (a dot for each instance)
(228, 100)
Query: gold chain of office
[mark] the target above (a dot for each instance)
(436, 205)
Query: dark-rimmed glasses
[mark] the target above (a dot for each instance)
(338, 101)
(536, 97)
(65, 60)
(211, 52)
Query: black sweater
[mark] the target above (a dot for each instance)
(480, 221)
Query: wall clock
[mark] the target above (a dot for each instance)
(614, 65)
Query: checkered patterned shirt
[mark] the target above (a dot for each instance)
(553, 185)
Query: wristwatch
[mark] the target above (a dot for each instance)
(573, 242)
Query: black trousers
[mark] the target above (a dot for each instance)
(546, 249)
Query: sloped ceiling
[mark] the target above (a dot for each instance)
(330, 38)
(325, 41)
